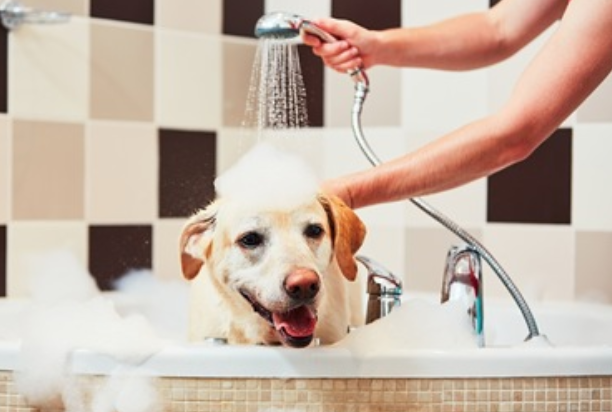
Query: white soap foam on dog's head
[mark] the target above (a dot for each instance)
(269, 177)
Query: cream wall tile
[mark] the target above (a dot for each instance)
(122, 173)
(416, 13)
(591, 171)
(27, 240)
(382, 106)
(122, 67)
(306, 9)
(598, 106)
(188, 70)
(387, 246)
(594, 266)
(190, 15)
(238, 62)
(166, 259)
(48, 170)
(5, 166)
(539, 258)
(49, 71)
(439, 100)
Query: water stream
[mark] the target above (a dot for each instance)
(277, 95)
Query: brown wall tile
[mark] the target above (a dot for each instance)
(136, 11)
(188, 163)
(537, 190)
(3, 70)
(380, 15)
(240, 17)
(115, 250)
(3, 261)
(48, 170)
(312, 72)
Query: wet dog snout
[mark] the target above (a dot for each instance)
(302, 284)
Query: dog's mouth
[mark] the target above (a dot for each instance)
(295, 327)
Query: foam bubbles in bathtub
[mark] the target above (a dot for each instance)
(417, 324)
(77, 316)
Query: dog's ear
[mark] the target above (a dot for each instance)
(348, 233)
(195, 240)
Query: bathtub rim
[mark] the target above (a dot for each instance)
(194, 361)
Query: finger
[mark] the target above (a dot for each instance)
(345, 56)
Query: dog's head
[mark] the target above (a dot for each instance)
(274, 261)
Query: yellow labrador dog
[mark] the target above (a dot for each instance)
(271, 272)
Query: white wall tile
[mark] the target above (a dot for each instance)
(416, 13)
(49, 71)
(598, 106)
(592, 171)
(188, 86)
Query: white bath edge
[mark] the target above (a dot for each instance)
(190, 361)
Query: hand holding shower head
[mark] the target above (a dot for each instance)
(287, 26)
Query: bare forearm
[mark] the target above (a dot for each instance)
(466, 42)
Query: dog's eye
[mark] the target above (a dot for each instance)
(250, 240)
(313, 231)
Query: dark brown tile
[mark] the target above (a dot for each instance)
(537, 190)
(239, 16)
(187, 169)
(3, 70)
(377, 16)
(2, 261)
(312, 72)
(135, 11)
(115, 250)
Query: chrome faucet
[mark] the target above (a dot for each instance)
(462, 283)
(384, 290)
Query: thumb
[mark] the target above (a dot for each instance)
(341, 29)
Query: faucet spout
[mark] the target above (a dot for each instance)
(384, 290)
(462, 283)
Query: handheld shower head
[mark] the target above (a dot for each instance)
(288, 26)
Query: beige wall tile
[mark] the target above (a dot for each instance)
(77, 7)
(5, 164)
(188, 69)
(192, 15)
(122, 173)
(594, 266)
(49, 71)
(539, 258)
(425, 256)
(48, 170)
(238, 59)
(27, 240)
(382, 106)
(122, 67)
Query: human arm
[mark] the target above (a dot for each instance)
(573, 62)
(464, 42)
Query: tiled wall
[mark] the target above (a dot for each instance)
(113, 126)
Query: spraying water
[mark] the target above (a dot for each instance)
(277, 95)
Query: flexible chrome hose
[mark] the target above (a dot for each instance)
(361, 90)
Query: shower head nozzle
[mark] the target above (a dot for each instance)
(287, 26)
(278, 25)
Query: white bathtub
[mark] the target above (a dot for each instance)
(581, 335)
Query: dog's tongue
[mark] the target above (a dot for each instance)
(297, 322)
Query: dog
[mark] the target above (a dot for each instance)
(270, 275)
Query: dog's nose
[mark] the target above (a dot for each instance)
(302, 284)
